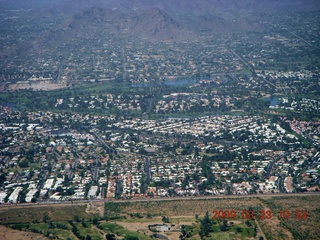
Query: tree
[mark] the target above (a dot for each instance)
(224, 225)
(110, 236)
(95, 221)
(247, 222)
(76, 218)
(88, 237)
(184, 232)
(205, 227)
(143, 182)
(84, 224)
(2, 178)
(23, 164)
(46, 217)
(165, 219)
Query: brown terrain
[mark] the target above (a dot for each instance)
(180, 212)
(11, 234)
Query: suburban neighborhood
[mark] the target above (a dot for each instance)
(141, 158)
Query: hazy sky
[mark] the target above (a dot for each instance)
(171, 5)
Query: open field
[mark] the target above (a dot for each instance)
(293, 227)
(182, 207)
(36, 213)
(135, 218)
(9, 234)
(36, 87)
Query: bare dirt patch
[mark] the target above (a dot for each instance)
(11, 234)
(172, 235)
(140, 226)
(95, 208)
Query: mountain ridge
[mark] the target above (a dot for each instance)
(196, 7)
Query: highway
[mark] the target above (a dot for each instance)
(280, 185)
(157, 199)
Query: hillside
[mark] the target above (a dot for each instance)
(199, 7)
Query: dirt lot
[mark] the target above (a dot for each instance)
(11, 234)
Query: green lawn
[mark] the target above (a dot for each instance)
(121, 231)
(239, 231)
(89, 230)
(62, 234)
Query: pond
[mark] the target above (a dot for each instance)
(177, 82)
(274, 100)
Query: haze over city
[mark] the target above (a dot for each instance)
(109, 105)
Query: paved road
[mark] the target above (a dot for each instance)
(267, 195)
(270, 166)
(280, 185)
(102, 141)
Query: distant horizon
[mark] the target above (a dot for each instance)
(205, 6)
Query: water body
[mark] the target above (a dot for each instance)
(177, 82)
(274, 100)
(180, 82)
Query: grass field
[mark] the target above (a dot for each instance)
(181, 207)
(36, 213)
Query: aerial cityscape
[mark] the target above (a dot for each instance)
(121, 102)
